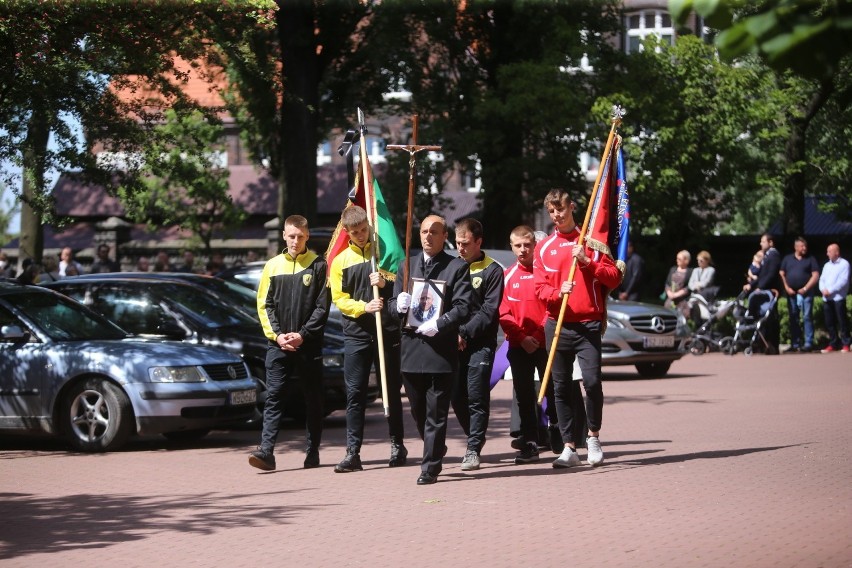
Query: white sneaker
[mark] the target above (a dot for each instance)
(595, 453)
(470, 461)
(568, 458)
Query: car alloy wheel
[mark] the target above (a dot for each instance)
(97, 416)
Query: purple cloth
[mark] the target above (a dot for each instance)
(501, 364)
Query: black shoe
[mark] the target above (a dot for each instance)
(311, 459)
(528, 455)
(352, 462)
(556, 443)
(262, 460)
(518, 443)
(399, 455)
(807, 349)
(792, 349)
(426, 478)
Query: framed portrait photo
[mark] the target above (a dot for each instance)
(427, 301)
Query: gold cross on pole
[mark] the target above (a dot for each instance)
(412, 150)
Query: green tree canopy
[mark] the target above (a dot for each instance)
(180, 180)
(58, 60)
(502, 86)
(809, 45)
(809, 37)
(700, 137)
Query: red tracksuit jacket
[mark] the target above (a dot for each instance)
(551, 267)
(521, 312)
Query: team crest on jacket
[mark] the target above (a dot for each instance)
(476, 281)
(306, 279)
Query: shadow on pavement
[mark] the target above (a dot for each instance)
(46, 525)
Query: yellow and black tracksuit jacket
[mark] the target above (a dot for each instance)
(292, 296)
(351, 290)
(480, 330)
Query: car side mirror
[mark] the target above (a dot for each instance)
(12, 332)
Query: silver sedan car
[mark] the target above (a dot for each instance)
(648, 336)
(66, 371)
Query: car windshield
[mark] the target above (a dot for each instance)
(210, 311)
(236, 293)
(63, 319)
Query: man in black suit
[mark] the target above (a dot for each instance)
(767, 279)
(634, 272)
(430, 356)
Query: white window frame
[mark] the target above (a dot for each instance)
(650, 22)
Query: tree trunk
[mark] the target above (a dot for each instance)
(300, 69)
(795, 156)
(502, 207)
(31, 242)
(502, 183)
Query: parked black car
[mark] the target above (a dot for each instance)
(247, 275)
(173, 309)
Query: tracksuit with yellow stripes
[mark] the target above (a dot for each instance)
(350, 292)
(293, 297)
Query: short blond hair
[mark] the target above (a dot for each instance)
(296, 221)
(353, 216)
(522, 231)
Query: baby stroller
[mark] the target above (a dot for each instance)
(754, 319)
(707, 315)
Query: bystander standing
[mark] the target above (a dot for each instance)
(834, 286)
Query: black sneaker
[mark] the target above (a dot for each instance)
(556, 443)
(399, 455)
(262, 460)
(792, 349)
(352, 462)
(528, 455)
(311, 459)
(518, 443)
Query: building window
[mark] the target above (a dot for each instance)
(376, 149)
(644, 23)
(471, 178)
(324, 153)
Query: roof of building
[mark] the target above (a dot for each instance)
(818, 222)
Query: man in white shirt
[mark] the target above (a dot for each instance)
(834, 286)
(67, 265)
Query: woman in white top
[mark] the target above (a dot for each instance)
(702, 277)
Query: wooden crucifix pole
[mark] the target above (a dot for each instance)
(412, 149)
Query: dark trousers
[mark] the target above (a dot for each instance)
(524, 366)
(429, 398)
(583, 342)
(472, 394)
(357, 363)
(836, 323)
(282, 368)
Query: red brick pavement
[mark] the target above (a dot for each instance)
(730, 461)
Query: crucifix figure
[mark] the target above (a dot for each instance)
(412, 150)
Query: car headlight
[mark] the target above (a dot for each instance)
(175, 375)
(614, 322)
(332, 360)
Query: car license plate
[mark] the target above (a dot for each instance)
(242, 397)
(658, 341)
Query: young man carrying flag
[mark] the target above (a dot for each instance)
(354, 275)
(352, 279)
(573, 273)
